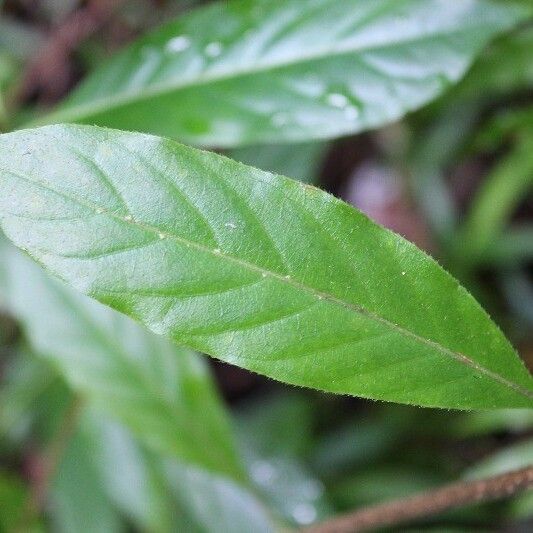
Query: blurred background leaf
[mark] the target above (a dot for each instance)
(255, 71)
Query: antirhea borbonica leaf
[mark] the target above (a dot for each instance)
(256, 269)
(253, 71)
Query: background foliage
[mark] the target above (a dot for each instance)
(105, 427)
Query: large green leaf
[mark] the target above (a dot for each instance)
(259, 270)
(163, 393)
(250, 71)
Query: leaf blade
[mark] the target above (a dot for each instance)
(246, 72)
(297, 278)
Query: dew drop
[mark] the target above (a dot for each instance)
(178, 44)
(312, 489)
(162, 236)
(263, 472)
(403, 273)
(264, 274)
(337, 100)
(279, 119)
(304, 513)
(213, 49)
(351, 112)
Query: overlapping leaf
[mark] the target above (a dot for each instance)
(249, 71)
(163, 393)
(259, 270)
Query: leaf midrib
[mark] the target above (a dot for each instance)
(103, 104)
(459, 357)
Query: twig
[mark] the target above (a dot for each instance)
(49, 73)
(50, 463)
(448, 497)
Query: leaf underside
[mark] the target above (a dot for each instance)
(255, 269)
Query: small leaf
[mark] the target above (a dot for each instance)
(259, 270)
(251, 71)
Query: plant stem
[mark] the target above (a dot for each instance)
(404, 510)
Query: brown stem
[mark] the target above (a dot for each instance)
(448, 497)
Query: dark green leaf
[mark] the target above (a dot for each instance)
(25, 381)
(251, 71)
(13, 496)
(508, 183)
(259, 270)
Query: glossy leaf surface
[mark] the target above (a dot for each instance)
(256, 269)
(250, 71)
(162, 392)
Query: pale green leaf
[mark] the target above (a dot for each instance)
(163, 393)
(250, 71)
(78, 501)
(256, 269)
(511, 458)
(210, 503)
(162, 498)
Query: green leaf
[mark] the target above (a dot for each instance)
(78, 501)
(158, 494)
(291, 490)
(251, 71)
(261, 271)
(507, 66)
(511, 458)
(210, 503)
(129, 477)
(300, 161)
(25, 381)
(507, 184)
(13, 495)
(163, 393)
(487, 422)
(514, 457)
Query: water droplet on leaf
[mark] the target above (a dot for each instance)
(304, 513)
(279, 119)
(213, 49)
(178, 44)
(337, 100)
